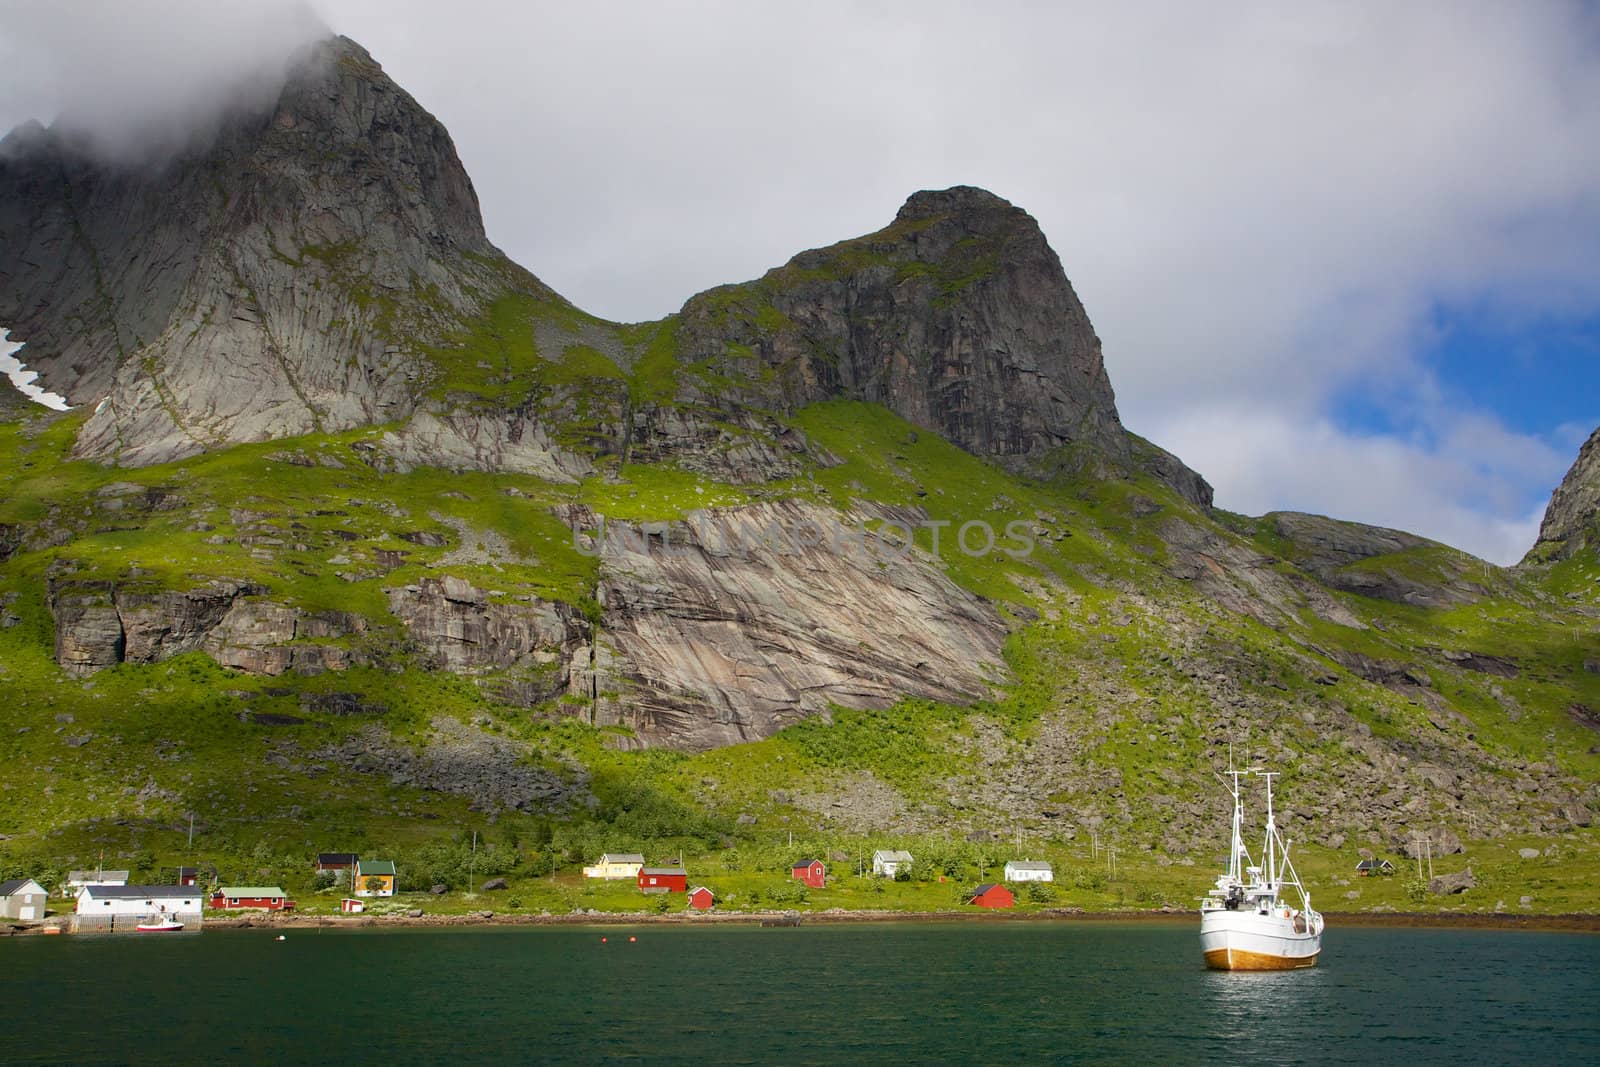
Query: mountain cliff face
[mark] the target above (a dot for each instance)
(273, 282)
(957, 317)
(863, 540)
(1572, 521)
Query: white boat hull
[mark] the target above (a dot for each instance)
(1249, 941)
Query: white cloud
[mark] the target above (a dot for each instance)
(1468, 490)
(138, 80)
(1263, 206)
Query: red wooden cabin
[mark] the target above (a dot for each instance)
(663, 880)
(993, 896)
(271, 898)
(701, 898)
(811, 872)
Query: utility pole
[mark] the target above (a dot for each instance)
(191, 829)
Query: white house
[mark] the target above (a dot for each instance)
(889, 863)
(140, 902)
(22, 898)
(614, 866)
(79, 879)
(1029, 871)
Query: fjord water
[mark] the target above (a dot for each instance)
(1066, 992)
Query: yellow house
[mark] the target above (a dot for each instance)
(379, 874)
(616, 865)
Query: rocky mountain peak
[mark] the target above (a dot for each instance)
(276, 278)
(967, 201)
(957, 316)
(1572, 521)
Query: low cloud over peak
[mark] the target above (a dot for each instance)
(136, 82)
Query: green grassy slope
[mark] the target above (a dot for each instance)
(1130, 679)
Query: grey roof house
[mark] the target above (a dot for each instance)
(22, 898)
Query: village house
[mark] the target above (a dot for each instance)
(22, 898)
(616, 866)
(701, 898)
(811, 872)
(79, 879)
(352, 906)
(107, 904)
(336, 861)
(374, 878)
(663, 880)
(1366, 868)
(1029, 871)
(188, 876)
(888, 863)
(266, 897)
(993, 895)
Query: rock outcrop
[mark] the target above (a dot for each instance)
(469, 441)
(525, 643)
(1352, 557)
(100, 624)
(1458, 882)
(747, 620)
(1572, 520)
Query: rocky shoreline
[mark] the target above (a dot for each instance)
(491, 918)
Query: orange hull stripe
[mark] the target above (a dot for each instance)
(1225, 959)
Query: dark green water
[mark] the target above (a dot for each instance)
(975, 993)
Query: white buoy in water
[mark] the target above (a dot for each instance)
(282, 938)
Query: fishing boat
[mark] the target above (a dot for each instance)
(165, 926)
(1246, 924)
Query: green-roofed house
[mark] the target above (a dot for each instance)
(374, 878)
(266, 897)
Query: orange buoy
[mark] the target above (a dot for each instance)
(633, 939)
(602, 940)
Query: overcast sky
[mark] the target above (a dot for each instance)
(1344, 258)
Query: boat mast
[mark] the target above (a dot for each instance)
(1272, 834)
(1236, 850)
